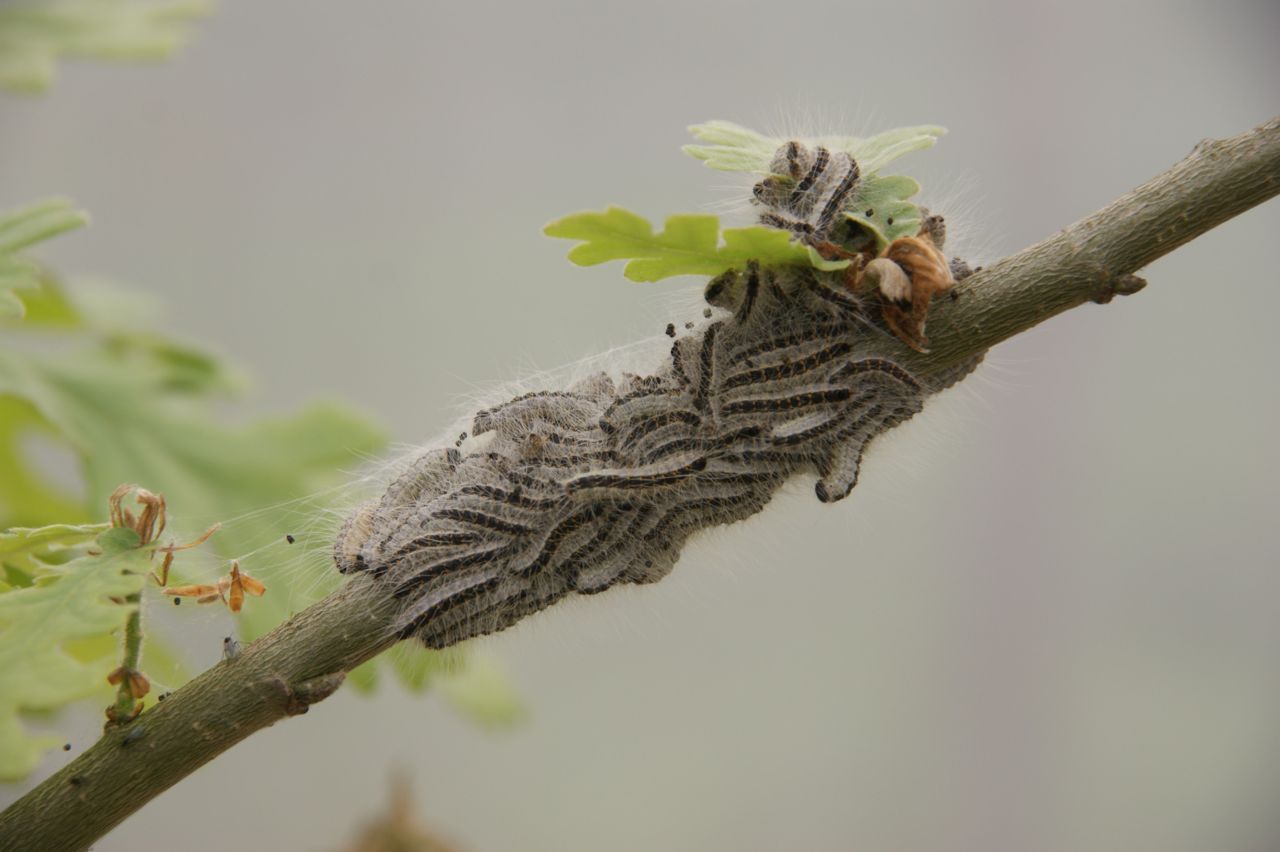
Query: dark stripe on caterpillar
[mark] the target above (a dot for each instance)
(534, 405)
(482, 520)
(510, 498)
(557, 535)
(706, 445)
(796, 226)
(657, 421)
(820, 332)
(821, 157)
(454, 600)
(526, 480)
(445, 539)
(601, 561)
(876, 365)
(606, 423)
(835, 297)
(635, 480)
(425, 574)
(786, 403)
(707, 364)
(837, 200)
(788, 370)
(793, 159)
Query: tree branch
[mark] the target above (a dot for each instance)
(305, 659)
(299, 663)
(1096, 258)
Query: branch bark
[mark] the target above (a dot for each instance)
(306, 659)
(1096, 258)
(282, 674)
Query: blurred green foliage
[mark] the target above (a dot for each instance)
(21, 229)
(33, 36)
(85, 380)
(132, 405)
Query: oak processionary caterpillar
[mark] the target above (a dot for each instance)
(579, 489)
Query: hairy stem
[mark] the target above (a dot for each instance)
(305, 659)
(126, 703)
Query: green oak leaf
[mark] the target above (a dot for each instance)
(732, 147)
(21, 229)
(131, 416)
(27, 553)
(133, 406)
(892, 216)
(37, 222)
(46, 627)
(689, 244)
(737, 149)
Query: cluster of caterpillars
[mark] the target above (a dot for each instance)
(806, 193)
(577, 490)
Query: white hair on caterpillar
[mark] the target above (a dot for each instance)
(591, 479)
(569, 482)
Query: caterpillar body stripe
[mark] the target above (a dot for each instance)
(602, 483)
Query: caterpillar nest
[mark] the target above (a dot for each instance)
(575, 490)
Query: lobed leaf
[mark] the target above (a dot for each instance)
(21, 229)
(688, 245)
(737, 149)
(27, 553)
(136, 406)
(732, 147)
(131, 416)
(45, 627)
(892, 215)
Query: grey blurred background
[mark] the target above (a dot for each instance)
(1047, 619)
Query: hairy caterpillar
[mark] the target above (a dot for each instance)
(578, 489)
(806, 191)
